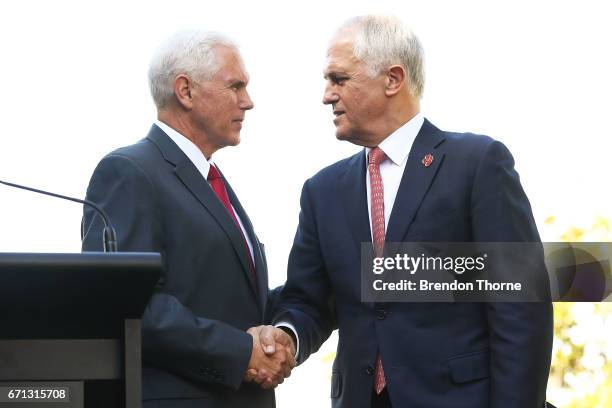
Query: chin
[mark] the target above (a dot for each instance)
(342, 135)
(235, 141)
(346, 136)
(353, 138)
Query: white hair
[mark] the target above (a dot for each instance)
(187, 52)
(382, 41)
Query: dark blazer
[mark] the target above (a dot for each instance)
(435, 355)
(195, 346)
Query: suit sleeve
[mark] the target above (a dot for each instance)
(173, 337)
(306, 299)
(272, 303)
(520, 333)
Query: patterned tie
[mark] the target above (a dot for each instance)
(216, 182)
(377, 213)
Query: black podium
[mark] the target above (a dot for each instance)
(70, 328)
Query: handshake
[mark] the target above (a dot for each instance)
(272, 358)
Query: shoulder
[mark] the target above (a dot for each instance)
(135, 165)
(143, 156)
(331, 173)
(471, 150)
(144, 153)
(468, 143)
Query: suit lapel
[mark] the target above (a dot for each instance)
(415, 182)
(260, 268)
(352, 189)
(189, 175)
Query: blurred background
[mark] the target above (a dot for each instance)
(534, 75)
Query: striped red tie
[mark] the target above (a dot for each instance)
(377, 213)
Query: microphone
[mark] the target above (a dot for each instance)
(109, 235)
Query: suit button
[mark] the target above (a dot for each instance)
(381, 314)
(370, 370)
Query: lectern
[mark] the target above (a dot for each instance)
(70, 328)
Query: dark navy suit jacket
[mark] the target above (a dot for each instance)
(435, 355)
(195, 345)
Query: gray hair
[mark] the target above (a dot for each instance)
(382, 41)
(187, 52)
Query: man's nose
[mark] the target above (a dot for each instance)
(330, 96)
(246, 103)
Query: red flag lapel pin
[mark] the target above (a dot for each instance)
(427, 160)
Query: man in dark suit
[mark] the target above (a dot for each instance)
(413, 183)
(164, 194)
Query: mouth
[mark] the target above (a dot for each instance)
(237, 123)
(337, 115)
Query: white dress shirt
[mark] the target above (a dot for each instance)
(196, 156)
(397, 147)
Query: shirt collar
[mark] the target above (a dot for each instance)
(189, 148)
(398, 144)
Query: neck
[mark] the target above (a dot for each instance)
(395, 119)
(181, 123)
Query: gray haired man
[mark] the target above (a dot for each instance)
(165, 194)
(411, 182)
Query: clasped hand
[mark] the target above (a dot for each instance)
(272, 358)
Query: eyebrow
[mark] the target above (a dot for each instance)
(237, 83)
(334, 74)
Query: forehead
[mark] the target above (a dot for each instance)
(231, 66)
(340, 55)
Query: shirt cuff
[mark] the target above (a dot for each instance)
(289, 326)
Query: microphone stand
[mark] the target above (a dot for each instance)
(109, 235)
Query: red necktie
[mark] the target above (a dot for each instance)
(377, 213)
(216, 182)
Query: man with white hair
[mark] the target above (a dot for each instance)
(411, 183)
(165, 194)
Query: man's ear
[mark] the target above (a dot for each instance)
(396, 77)
(182, 91)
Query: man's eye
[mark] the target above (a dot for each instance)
(339, 80)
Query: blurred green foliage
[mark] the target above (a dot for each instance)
(581, 372)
